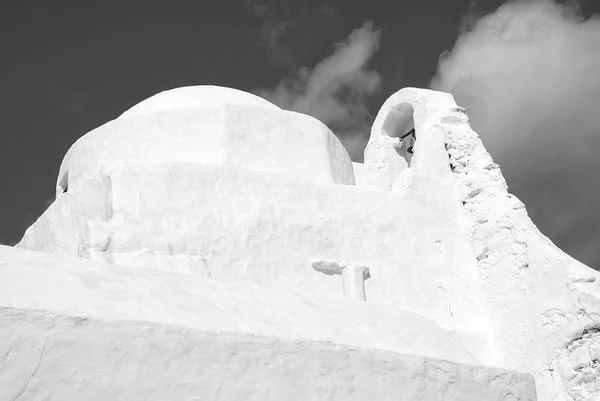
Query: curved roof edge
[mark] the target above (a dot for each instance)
(424, 102)
(199, 96)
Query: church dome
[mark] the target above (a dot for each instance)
(200, 96)
(214, 126)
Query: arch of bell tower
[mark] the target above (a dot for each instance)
(423, 110)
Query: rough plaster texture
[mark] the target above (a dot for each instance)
(266, 229)
(541, 302)
(244, 192)
(85, 330)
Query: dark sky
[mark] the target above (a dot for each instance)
(67, 67)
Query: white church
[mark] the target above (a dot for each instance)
(208, 245)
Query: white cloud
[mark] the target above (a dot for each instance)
(529, 75)
(336, 89)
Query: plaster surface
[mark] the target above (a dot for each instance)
(71, 329)
(249, 137)
(541, 302)
(279, 226)
(241, 193)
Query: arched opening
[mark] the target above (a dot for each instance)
(393, 153)
(399, 125)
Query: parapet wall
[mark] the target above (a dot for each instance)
(71, 329)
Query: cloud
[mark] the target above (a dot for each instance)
(528, 75)
(336, 89)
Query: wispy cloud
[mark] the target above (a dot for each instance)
(529, 76)
(336, 89)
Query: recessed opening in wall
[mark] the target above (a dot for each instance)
(400, 126)
(63, 184)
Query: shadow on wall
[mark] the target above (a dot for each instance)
(63, 184)
(400, 126)
(390, 153)
(391, 149)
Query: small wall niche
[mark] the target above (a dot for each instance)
(63, 184)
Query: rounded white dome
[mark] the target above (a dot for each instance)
(200, 96)
(240, 136)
